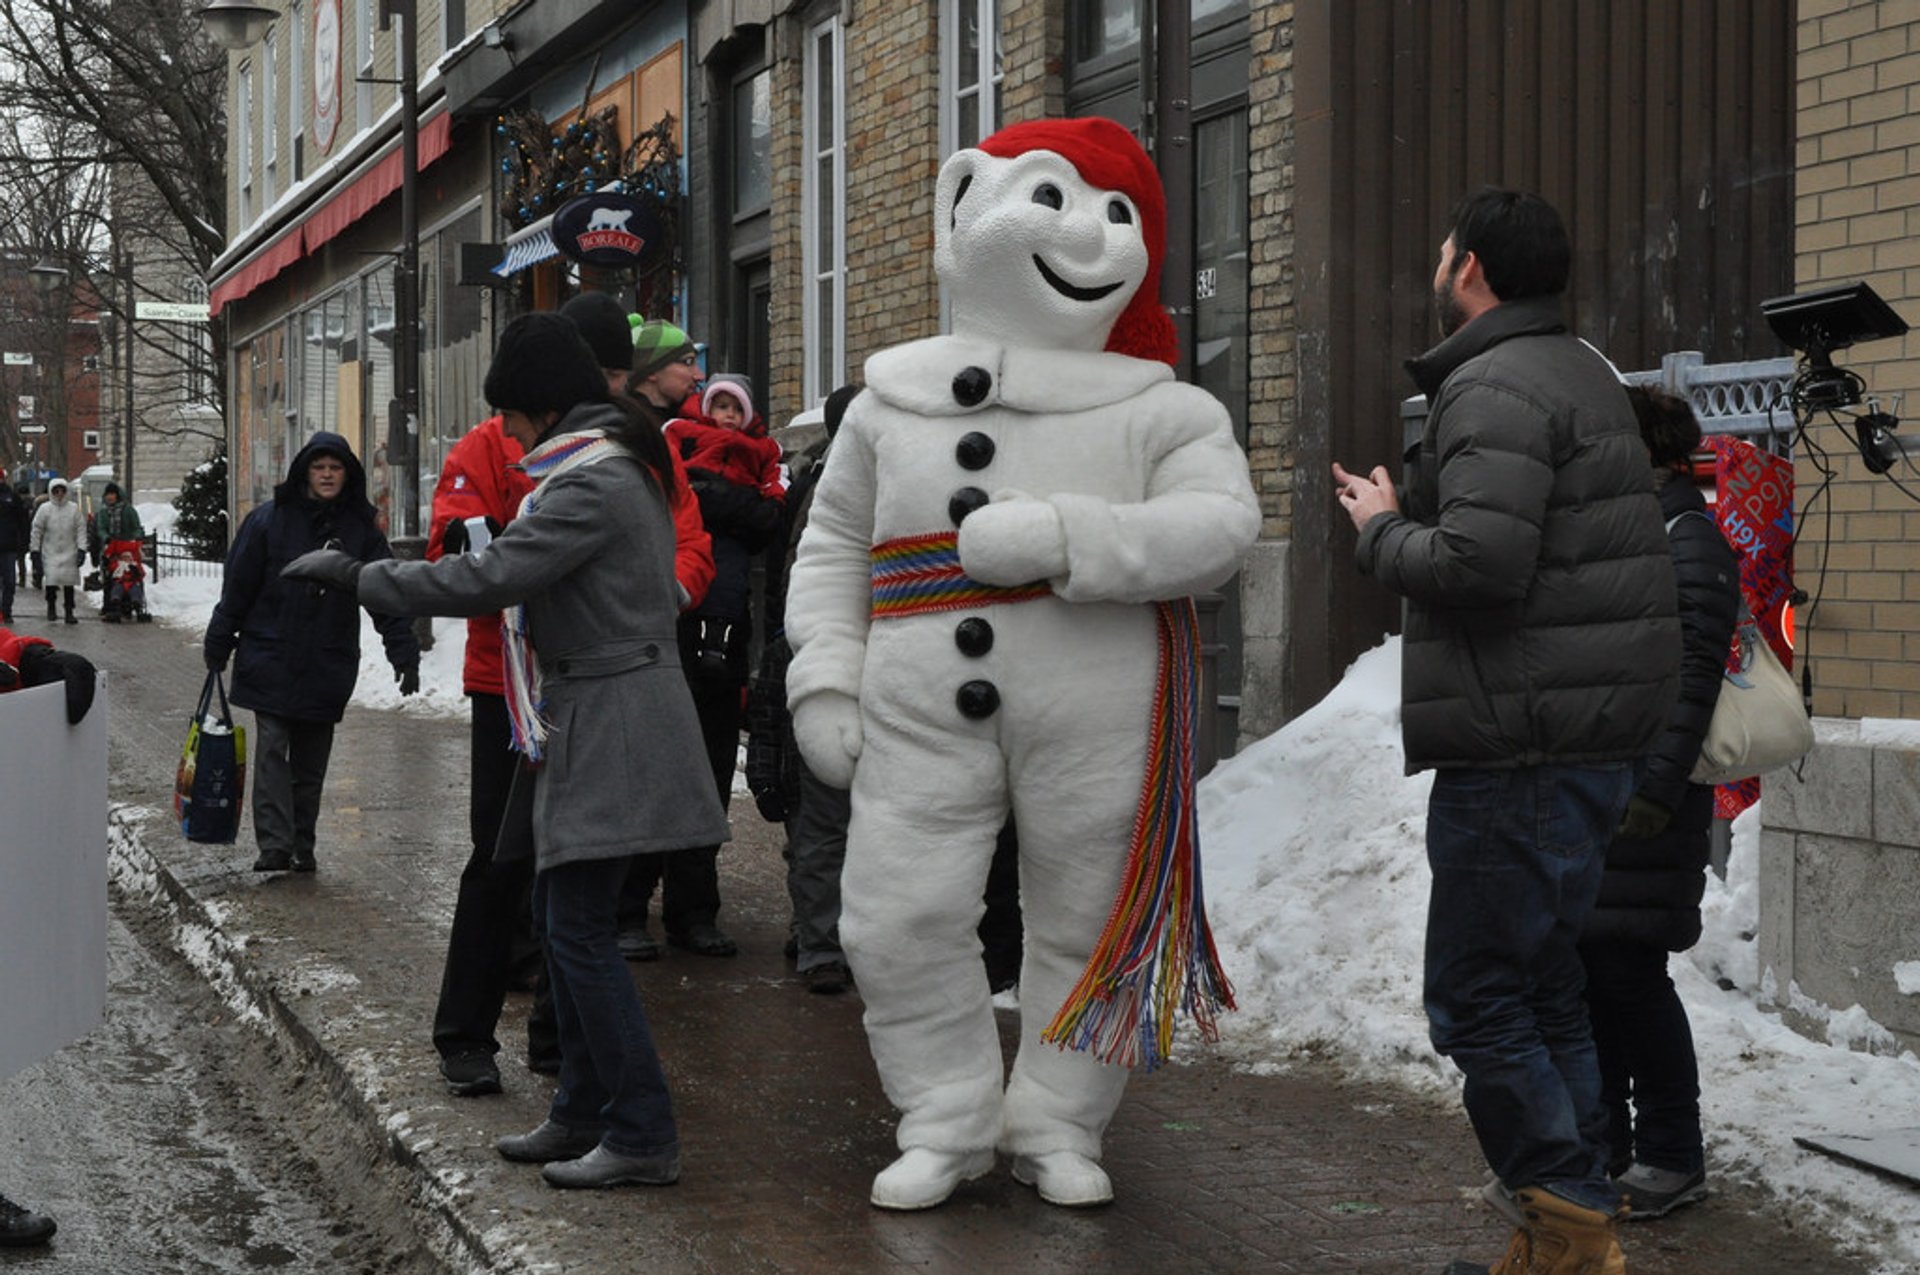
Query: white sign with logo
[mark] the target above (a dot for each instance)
(16, 359)
(326, 73)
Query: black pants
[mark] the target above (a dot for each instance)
(54, 589)
(289, 769)
(492, 913)
(691, 891)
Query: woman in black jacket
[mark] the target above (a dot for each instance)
(1656, 867)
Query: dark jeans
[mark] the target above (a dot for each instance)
(8, 566)
(817, 834)
(493, 910)
(289, 764)
(1516, 858)
(1649, 1078)
(690, 894)
(610, 1076)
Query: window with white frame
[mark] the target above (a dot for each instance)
(269, 119)
(243, 120)
(823, 212)
(90, 440)
(453, 24)
(196, 346)
(970, 70)
(296, 84)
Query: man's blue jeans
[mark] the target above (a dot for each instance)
(610, 1077)
(1516, 858)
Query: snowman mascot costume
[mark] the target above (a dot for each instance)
(978, 609)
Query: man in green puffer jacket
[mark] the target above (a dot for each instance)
(1541, 652)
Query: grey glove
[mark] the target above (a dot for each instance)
(334, 568)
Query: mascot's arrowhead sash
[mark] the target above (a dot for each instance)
(1156, 956)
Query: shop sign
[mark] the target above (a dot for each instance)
(610, 231)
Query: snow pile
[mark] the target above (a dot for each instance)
(1317, 887)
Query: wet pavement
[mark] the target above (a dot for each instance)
(782, 1120)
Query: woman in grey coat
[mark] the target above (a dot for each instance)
(601, 713)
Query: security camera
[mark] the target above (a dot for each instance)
(1818, 323)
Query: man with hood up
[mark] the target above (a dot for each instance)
(299, 643)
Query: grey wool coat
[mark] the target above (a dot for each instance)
(625, 771)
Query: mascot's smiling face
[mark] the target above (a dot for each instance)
(1031, 253)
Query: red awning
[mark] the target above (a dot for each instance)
(339, 212)
(374, 185)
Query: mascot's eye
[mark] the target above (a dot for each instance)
(1118, 213)
(1049, 194)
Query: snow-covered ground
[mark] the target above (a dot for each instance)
(1317, 886)
(1316, 882)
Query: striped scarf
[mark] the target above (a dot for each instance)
(525, 703)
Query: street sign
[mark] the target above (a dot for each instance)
(172, 311)
(26, 407)
(33, 429)
(18, 360)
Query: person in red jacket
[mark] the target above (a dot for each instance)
(479, 492)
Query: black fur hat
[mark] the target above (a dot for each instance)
(603, 324)
(542, 365)
(1667, 425)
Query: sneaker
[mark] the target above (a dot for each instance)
(1501, 1201)
(601, 1167)
(548, 1142)
(638, 945)
(303, 861)
(20, 1228)
(830, 979)
(1652, 1192)
(703, 938)
(471, 1074)
(273, 861)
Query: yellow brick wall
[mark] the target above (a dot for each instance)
(1857, 216)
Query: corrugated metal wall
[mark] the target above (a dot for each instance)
(1661, 129)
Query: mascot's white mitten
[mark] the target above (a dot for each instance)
(826, 725)
(1017, 539)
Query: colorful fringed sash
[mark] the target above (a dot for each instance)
(1156, 956)
(525, 703)
(918, 574)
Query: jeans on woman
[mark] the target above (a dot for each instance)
(1517, 856)
(610, 1076)
(1649, 1077)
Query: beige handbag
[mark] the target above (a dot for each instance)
(1760, 723)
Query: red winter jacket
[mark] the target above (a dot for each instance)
(13, 649)
(479, 481)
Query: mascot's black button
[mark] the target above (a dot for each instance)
(974, 636)
(970, 386)
(977, 699)
(964, 502)
(974, 451)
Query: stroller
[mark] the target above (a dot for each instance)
(126, 591)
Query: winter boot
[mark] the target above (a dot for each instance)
(1657, 1192)
(1560, 1238)
(53, 605)
(22, 1228)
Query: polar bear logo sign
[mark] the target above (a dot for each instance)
(609, 219)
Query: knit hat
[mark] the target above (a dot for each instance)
(542, 365)
(603, 325)
(1106, 155)
(732, 384)
(656, 344)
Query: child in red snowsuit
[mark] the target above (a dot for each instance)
(735, 470)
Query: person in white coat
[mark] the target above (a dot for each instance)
(1009, 518)
(60, 538)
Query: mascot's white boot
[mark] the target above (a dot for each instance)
(977, 618)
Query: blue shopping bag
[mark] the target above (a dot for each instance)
(212, 779)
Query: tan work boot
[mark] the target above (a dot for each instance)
(1564, 1238)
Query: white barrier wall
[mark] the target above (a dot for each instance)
(53, 873)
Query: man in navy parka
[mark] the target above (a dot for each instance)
(299, 643)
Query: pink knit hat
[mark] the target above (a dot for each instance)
(726, 384)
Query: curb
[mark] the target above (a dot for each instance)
(433, 1195)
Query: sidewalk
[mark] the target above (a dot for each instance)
(782, 1120)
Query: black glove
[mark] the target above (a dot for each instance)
(9, 676)
(408, 675)
(1644, 819)
(335, 568)
(773, 806)
(42, 664)
(454, 539)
